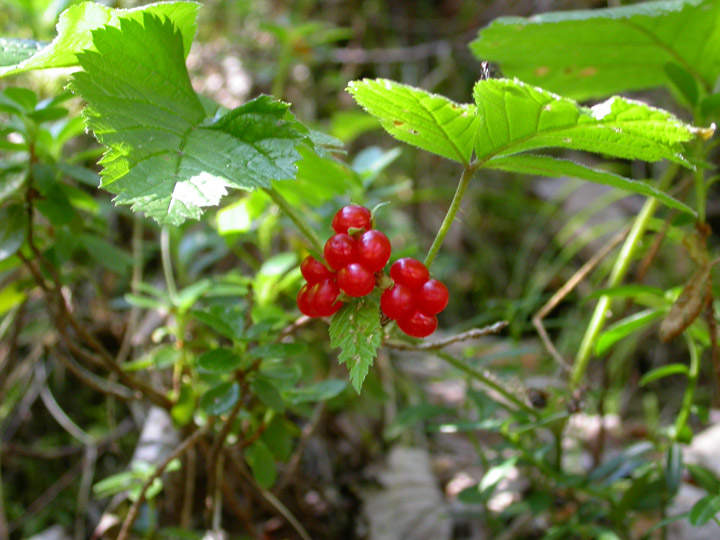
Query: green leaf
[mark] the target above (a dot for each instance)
(704, 510)
(268, 394)
(11, 182)
(278, 350)
(184, 408)
(673, 468)
(219, 360)
(321, 391)
(262, 464)
(225, 320)
(75, 29)
(663, 371)
(221, 398)
(624, 328)
(278, 439)
(428, 121)
(548, 166)
(704, 477)
(164, 157)
(599, 52)
(106, 254)
(410, 416)
(355, 329)
(516, 117)
(683, 81)
(13, 226)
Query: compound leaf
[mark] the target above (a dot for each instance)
(355, 329)
(600, 52)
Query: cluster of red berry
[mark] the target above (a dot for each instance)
(355, 254)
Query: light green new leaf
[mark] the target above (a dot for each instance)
(599, 52)
(548, 166)
(428, 121)
(75, 29)
(515, 117)
(623, 328)
(356, 330)
(164, 157)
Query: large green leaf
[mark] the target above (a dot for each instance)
(515, 117)
(164, 156)
(75, 29)
(429, 121)
(548, 166)
(356, 330)
(599, 52)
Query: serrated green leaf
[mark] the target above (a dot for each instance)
(75, 29)
(13, 226)
(164, 158)
(599, 52)
(428, 121)
(548, 166)
(219, 360)
(516, 117)
(262, 464)
(355, 329)
(221, 398)
(624, 328)
(663, 371)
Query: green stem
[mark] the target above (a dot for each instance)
(700, 187)
(451, 213)
(487, 381)
(296, 218)
(619, 271)
(167, 264)
(693, 375)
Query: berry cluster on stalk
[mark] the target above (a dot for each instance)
(356, 255)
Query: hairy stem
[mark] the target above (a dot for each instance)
(450, 216)
(619, 271)
(296, 218)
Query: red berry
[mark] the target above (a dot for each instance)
(372, 250)
(352, 216)
(397, 301)
(339, 251)
(355, 280)
(409, 272)
(322, 298)
(303, 302)
(418, 324)
(432, 297)
(313, 270)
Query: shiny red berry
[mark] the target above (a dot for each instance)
(339, 251)
(303, 301)
(397, 301)
(417, 324)
(432, 297)
(313, 270)
(409, 272)
(372, 250)
(356, 280)
(352, 216)
(323, 298)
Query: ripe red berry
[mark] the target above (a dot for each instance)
(355, 280)
(339, 251)
(418, 324)
(372, 250)
(313, 270)
(352, 216)
(409, 272)
(432, 297)
(303, 302)
(397, 302)
(322, 298)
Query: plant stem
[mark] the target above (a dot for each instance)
(700, 187)
(619, 271)
(296, 218)
(693, 375)
(167, 263)
(487, 381)
(451, 213)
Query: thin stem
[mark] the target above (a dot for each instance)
(450, 216)
(619, 271)
(296, 218)
(693, 375)
(487, 381)
(167, 263)
(700, 187)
